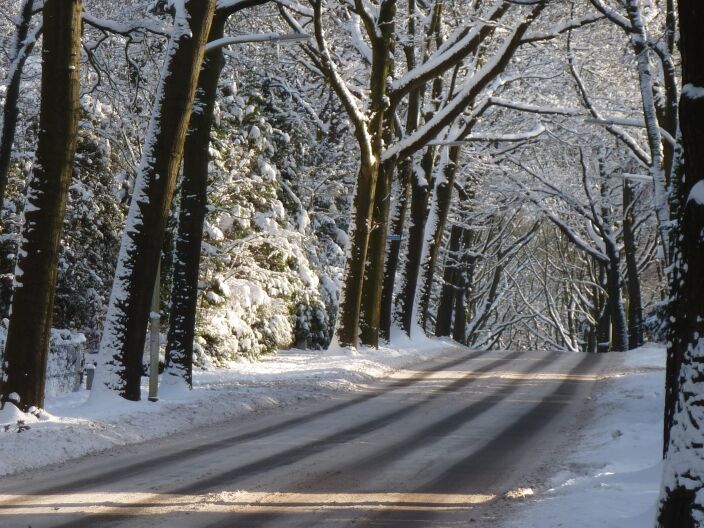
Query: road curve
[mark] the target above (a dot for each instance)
(438, 446)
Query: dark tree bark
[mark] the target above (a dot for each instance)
(603, 328)
(350, 308)
(450, 287)
(467, 265)
(635, 308)
(391, 267)
(681, 500)
(420, 192)
(194, 186)
(27, 346)
(442, 202)
(123, 339)
(23, 47)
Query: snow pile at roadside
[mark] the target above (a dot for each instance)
(611, 478)
(71, 426)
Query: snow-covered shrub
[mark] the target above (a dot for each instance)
(263, 284)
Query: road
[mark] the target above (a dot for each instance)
(438, 446)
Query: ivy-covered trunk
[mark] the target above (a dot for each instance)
(124, 334)
(681, 501)
(27, 347)
(193, 208)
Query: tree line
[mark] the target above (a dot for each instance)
(434, 97)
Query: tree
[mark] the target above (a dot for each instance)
(681, 503)
(123, 338)
(27, 346)
(24, 44)
(193, 204)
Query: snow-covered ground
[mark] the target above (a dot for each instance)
(73, 426)
(610, 478)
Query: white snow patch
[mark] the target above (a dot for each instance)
(612, 477)
(691, 91)
(697, 193)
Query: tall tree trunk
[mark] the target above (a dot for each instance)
(441, 202)
(350, 308)
(681, 499)
(603, 328)
(391, 267)
(617, 314)
(23, 47)
(123, 339)
(194, 199)
(467, 265)
(635, 307)
(639, 41)
(27, 346)
(450, 287)
(370, 317)
(420, 191)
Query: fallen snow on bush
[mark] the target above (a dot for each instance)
(611, 477)
(71, 426)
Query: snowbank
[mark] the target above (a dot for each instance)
(611, 478)
(71, 426)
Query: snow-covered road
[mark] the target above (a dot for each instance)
(442, 445)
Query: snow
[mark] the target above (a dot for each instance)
(697, 193)
(611, 477)
(74, 425)
(691, 91)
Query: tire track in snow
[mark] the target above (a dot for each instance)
(298, 453)
(208, 447)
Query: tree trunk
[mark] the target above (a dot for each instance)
(350, 308)
(194, 199)
(442, 202)
(391, 267)
(123, 339)
(681, 500)
(370, 317)
(450, 287)
(603, 328)
(639, 41)
(467, 265)
(617, 314)
(351, 297)
(27, 346)
(635, 309)
(23, 47)
(420, 190)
